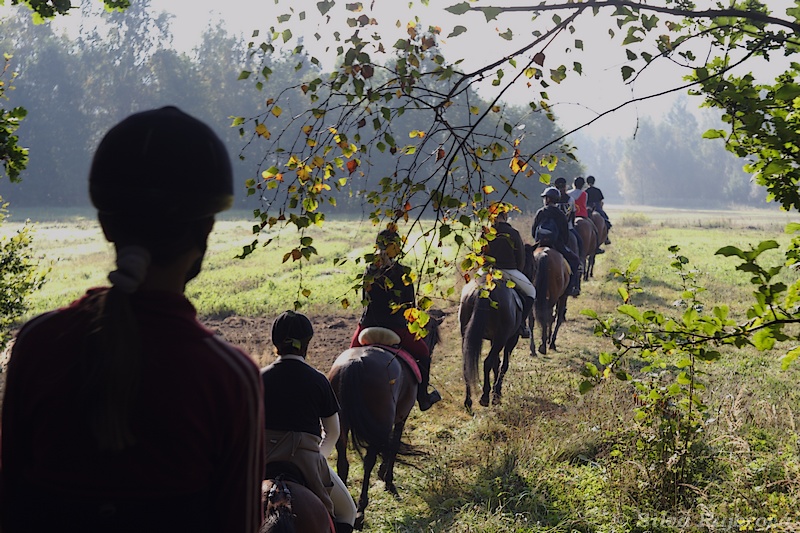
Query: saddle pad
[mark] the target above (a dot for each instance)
(405, 357)
(378, 335)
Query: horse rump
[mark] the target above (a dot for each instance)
(366, 430)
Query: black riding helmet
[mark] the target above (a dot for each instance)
(161, 166)
(290, 330)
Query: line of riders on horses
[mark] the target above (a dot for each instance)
(123, 413)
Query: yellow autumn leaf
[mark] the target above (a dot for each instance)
(262, 130)
(277, 111)
(488, 189)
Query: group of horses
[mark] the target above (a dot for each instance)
(498, 317)
(376, 390)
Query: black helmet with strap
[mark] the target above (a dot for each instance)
(162, 165)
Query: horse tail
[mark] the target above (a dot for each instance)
(367, 431)
(541, 284)
(472, 339)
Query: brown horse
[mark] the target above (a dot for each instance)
(290, 507)
(588, 233)
(495, 317)
(602, 234)
(376, 392)
(551, 278)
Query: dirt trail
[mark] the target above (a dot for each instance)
(331, 337)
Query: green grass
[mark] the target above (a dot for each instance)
(548, 459)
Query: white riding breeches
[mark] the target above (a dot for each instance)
(343, 505)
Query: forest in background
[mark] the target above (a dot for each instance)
(75, 88)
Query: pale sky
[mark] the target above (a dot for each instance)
(578, 99)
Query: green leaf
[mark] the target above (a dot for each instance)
(728, 251)
(790, 358)
(589, 312)
(764, 339)
(458, 30)
(631, 311)
(585, 386)
(458, 9)
(627, 72)
(491, 13)
(787, 92)
(714, 134)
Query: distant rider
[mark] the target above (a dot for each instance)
(579, 195)
(567, 205)
(594, 201)
(550, 229)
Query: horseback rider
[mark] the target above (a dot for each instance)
(567, 205)
(594, 201)
(579, 195)
(121, 411)
(507, 253)
(550, 228)
(388, 292)
(301, 417)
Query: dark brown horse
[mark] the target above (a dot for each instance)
(602, 234)
(495, 317)
(551, 278)
(376, 393)
(289, 507)
(588, 233)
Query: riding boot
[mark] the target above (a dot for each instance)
(342, 527)
(527, 305)
(424, 398)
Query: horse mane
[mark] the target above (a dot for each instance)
(278, 513)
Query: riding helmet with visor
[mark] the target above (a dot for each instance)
(551, 192)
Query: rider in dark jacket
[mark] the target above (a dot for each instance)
(551, 196)
(507, 251)
(389, 294)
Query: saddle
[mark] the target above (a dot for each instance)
(474, 284)
(389, 341)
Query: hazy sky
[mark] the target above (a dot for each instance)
(578, 99)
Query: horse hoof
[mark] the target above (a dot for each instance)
(496, 400)
(484, 401)
(542, 349)
(359, 523)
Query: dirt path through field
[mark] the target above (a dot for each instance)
(331, 336)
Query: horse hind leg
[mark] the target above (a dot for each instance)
(490, 364)
(342, 465)
(561, 315)
(386, 470)
(369, 463)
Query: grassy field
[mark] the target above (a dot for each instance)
(548, 459)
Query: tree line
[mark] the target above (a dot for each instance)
(76, 87)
